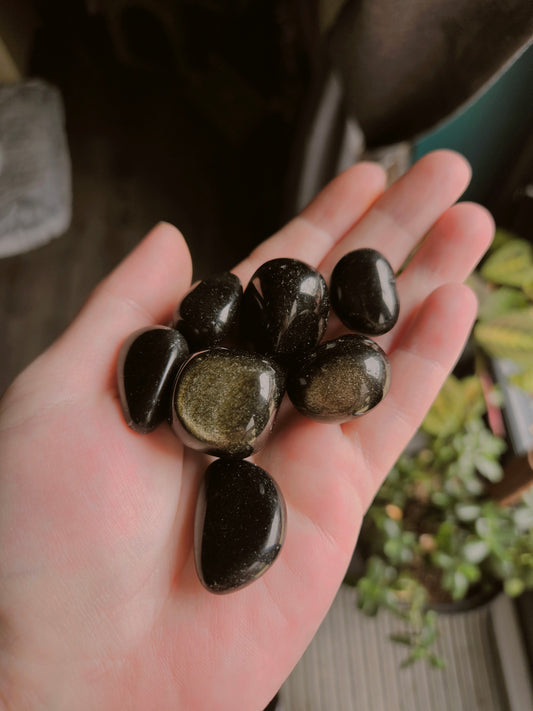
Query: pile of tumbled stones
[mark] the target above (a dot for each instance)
(219, 375)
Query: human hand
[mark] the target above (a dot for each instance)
(100, 604)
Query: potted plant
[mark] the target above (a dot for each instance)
(433, 534)
(437, 534)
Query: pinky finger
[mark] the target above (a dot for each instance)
(422, 358)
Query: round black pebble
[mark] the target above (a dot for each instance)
(147, 365)
(285, 308)
(225, 401)
(363, 292)
(340, 380)
(239, 525)
(209, 312)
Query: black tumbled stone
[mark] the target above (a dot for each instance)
(363, 292)
(285, 308)
(239, 525)
(225, 401)
(340, 380)
(146, 369)
(208, 313)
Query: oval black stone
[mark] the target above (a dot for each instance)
(225, 401)
(363, 292)
(285, 308)
(209, 311)
(239, 525)
(340, 380)
(147, 365)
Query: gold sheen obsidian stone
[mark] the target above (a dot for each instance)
(285, 308)
(209, 311)
(363, 292)
(147, 365)
(225, 401)
(340, 380)
(239, 525)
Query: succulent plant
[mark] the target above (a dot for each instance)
(433, 533)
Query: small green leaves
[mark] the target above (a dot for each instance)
(467, 512)
(432, 523)
(475, 551)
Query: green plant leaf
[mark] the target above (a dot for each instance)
(442, 560)
(500, 301)
(436, 661)
(460, 585)
(447, 412)
(511, 264)
(475, 551)
(501, 237)
(457, 402)
(470, 570)
(467, 512)
(404, 639)
(523, 518)
(514, 587)
(524, 379)
(508, 336)
(489, 468)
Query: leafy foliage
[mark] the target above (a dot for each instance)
(504, 286)
(433, 530)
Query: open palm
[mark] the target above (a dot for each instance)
(100, 605)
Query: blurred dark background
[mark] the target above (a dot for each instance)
(186, 116)
(190, 113)
(211, 114)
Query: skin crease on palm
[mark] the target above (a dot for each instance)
(100, 604)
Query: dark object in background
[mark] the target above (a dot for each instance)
(239, 525)
(404, 70)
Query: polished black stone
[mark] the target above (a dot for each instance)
(363, 292)
(209, 312)
(147, 365)
(340, 380)
(285, 308)
(225, 401)
(239, 525)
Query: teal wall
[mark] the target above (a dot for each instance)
(490, 131)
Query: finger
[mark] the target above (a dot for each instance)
(407, 210)
(312, 234)
(420, 362)
(143, 290)
(465, 229)
(148, 282)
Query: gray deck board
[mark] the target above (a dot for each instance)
(352, 666)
